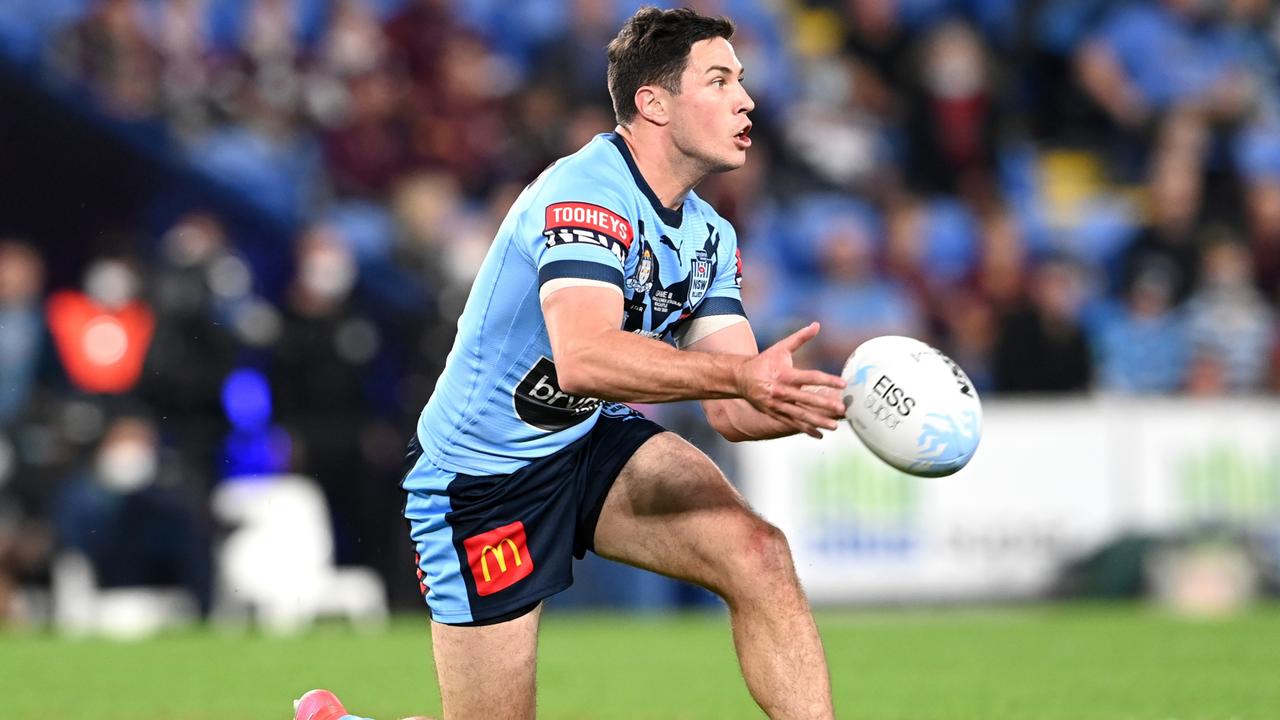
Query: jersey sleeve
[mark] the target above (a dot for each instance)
(585, 237)
(722, 305)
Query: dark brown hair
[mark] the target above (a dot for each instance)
(652, 48)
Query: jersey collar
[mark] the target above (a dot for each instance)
(666, 214)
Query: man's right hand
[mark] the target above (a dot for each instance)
(775, 387)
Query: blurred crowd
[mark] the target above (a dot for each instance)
(1065, 195)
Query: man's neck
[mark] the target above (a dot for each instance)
(670, 174)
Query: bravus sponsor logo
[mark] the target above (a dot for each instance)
(540, 402)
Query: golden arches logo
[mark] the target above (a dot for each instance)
(503, 571)
(499, 557)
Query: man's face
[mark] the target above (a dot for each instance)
(709, 116)
(1191, 9)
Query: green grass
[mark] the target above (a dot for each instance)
(1037, 663)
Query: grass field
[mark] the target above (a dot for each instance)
(1037, 663)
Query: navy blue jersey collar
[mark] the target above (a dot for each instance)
(666, 214)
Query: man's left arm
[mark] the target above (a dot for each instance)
(735, 419)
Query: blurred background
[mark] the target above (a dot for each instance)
(235, 236)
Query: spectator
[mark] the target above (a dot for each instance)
(456, 125)
(194, 346)
(538, 130)
(358, 99)
(1228, 321)
(1162, 62)
(112, 53)
(1040, 347)
(103, 333)
(1157, 56)
(933, 246)
(953, 119)
(25, 543)
(25, 538)
(370, 147)
(1001, 269)
(417, 37)
(1059, 109)
(1173, 206)
(456, 96)
(1263, 214)
(270, 34)
(878, 45)
(852, 301)
(573, 60)
(23, 337)
(969, 314)
(325, 346)
(1144, 347)
(834, 141)
(132, 517)
(971, 325)
(183, 40)
(353, 43)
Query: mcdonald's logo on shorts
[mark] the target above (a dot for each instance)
(498, 558)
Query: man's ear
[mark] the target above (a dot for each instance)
(651, 104)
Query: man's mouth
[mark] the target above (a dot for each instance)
(744, 137)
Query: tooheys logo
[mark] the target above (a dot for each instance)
(541, 403)
(577, 222)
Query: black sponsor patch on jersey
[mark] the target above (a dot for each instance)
(540, 402)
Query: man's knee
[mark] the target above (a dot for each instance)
(768, 553)
(758, 561)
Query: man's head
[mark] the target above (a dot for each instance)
(21, 273)
(676, 70)
(128, 456)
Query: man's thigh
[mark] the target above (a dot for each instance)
(488, 672)
(672, 511)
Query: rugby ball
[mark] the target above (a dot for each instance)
(912, 406)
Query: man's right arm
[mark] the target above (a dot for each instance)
(1101, 73)
(595, 358)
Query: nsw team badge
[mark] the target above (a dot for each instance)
(699, 278)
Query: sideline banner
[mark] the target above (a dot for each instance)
(1051, 482)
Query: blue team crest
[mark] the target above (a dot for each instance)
(643, 279)
(699, 279)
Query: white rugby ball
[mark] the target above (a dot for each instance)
(912, 406)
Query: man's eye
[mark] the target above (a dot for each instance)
(718, 81)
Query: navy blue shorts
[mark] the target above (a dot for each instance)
(492, 546)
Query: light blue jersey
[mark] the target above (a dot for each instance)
(589, 219)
